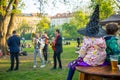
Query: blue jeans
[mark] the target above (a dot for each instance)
(70, 73)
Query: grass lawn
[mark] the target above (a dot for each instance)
(26, 71)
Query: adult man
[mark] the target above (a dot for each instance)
(57, 50)
(45, 49)
(14, 47)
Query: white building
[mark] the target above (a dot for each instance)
(60, 19)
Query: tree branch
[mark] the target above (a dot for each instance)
(12, 17)
(8, 8)
(116, 4)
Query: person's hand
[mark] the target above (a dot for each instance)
(8, 53)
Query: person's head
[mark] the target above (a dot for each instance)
(45, 32)
(111, 29)
(37, 35)
(57, 31)
(14, 32)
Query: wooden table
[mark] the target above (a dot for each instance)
(98, 73)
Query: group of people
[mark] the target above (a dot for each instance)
(40, 49)
(97, 46)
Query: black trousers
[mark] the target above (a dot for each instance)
(78, 44)
(14, 57)
(45, 54)
(56, 57)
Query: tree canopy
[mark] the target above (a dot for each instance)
(43, 24)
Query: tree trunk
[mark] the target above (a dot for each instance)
(2, 29)
(5, 30)
(11, 23)
(3, 44)
(2, 35)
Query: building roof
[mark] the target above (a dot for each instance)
(62, 15)
(113, 18)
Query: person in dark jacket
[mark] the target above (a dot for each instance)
(57, 50)
(14, 47)
(78, 42)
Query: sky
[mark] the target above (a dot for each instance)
(32, 6)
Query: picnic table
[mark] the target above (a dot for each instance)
(98, 73)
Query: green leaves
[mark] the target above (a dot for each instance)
(79, 19)
(69, 30)
(43, 24)
(106, 7)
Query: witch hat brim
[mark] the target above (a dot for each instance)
(84, 32)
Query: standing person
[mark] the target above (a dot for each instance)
(78, 42)
(111, 41)
(57, 50)
(92, 51)
(45, 49)
(38, 46)
(14, 47)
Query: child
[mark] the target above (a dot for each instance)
(111, 40)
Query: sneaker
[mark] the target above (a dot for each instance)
(34, 66)
(42, 66)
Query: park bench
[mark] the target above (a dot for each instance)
(97, 73)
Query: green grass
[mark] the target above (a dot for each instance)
(26, 71)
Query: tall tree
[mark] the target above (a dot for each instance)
(8, 8)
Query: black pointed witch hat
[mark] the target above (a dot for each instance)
(93, 28)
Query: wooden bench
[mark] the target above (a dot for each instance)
(98, 73)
